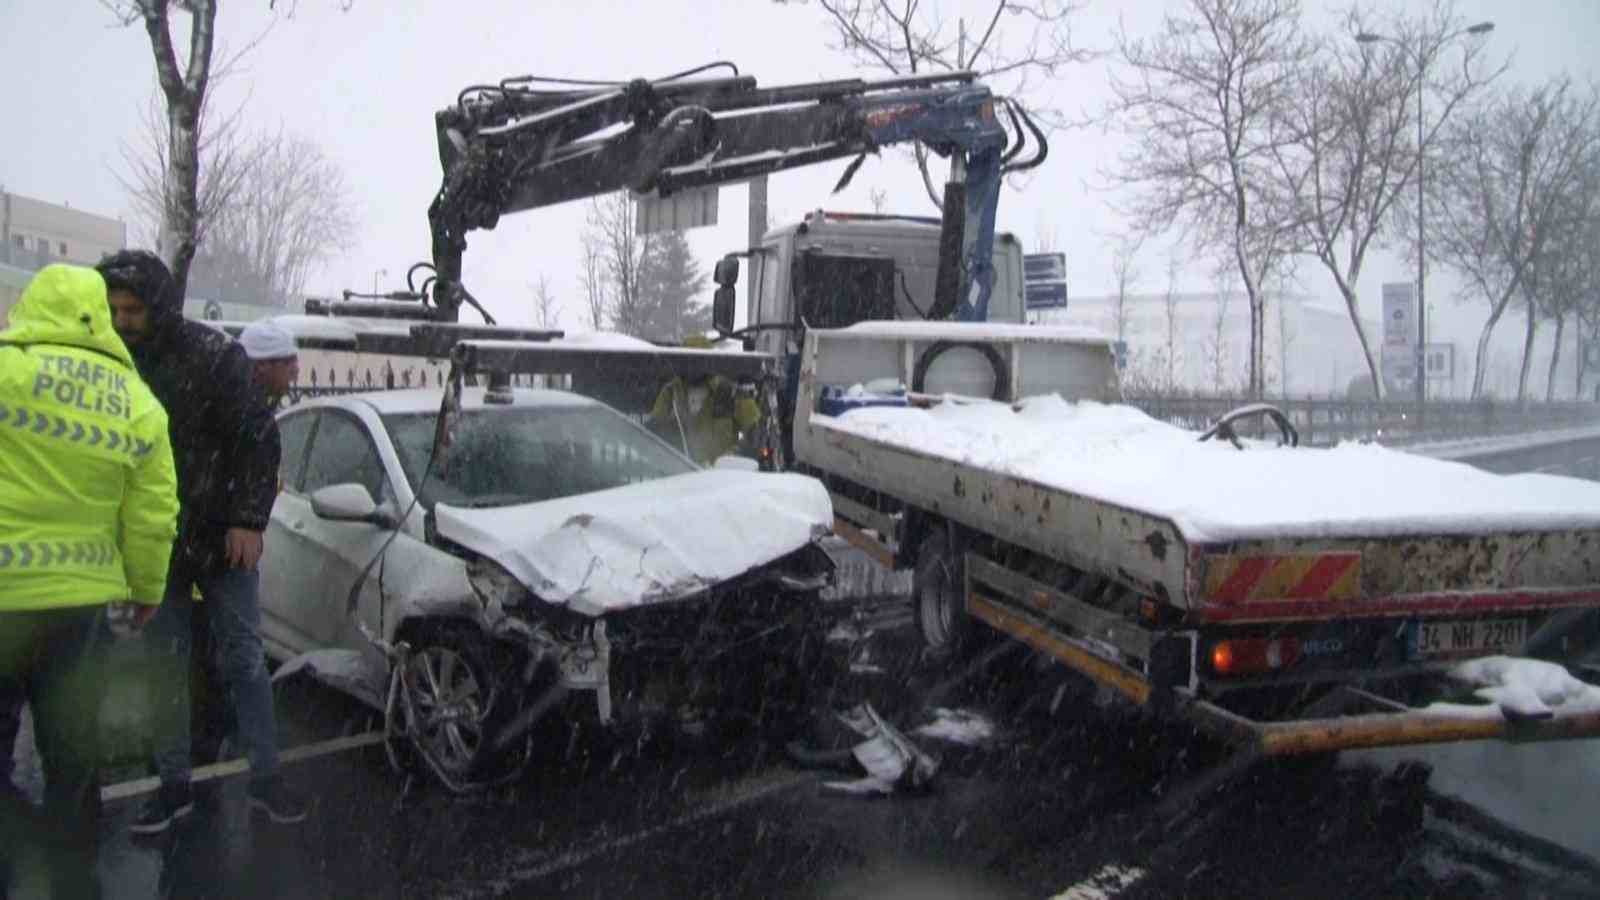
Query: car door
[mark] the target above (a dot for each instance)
(335, 554)
(283, 564)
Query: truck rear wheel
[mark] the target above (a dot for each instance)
(939, 585)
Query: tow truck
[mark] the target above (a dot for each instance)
(1274, 630)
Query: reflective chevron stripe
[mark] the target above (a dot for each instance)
(1308, 576)
(50, 554)
(71, 432)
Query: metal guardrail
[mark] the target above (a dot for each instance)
(1327, 421)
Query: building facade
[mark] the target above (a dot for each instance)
(34, 233)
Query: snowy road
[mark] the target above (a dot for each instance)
(1062, 799)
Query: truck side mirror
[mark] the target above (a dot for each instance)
(722, 307)
(726, 273)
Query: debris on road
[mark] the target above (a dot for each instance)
(958, 726)
(890, 759)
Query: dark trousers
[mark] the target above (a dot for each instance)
(210, 714)
(50, 659)
(235, 617)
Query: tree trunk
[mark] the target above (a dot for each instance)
(181, 220)
(1482, 359)
(185, 93)
(1350, 304)
(1555, 359)
(1527, 355)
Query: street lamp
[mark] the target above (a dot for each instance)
(375, 279)
(1367, 37)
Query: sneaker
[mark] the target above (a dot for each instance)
(159, 812)
(272, 797)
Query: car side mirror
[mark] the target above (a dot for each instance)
(726, 273)
(722, 310)
(348, 503)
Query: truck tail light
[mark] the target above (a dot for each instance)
(1245, 656)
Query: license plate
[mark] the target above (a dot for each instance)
(1462, 638)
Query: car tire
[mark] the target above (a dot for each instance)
(460, 691)
(938, 583)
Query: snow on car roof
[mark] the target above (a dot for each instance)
(958, 331)
(417, 400)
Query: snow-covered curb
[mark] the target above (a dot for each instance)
(1526, 688)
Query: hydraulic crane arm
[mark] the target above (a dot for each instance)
(528, 143)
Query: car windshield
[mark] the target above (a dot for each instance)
(500, 456)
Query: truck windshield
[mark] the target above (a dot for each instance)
(501, 456)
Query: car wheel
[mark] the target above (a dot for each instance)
(457, 694)
(938, 583)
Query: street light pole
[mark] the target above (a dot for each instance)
(1422, 251)
(375, 279)
(1422, 247)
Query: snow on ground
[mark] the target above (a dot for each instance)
(1212, 491)
(611, 339)
(958, 726)
(974, 331)
(1505, 443)
(1525, 687)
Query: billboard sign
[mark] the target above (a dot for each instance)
(1399, 319)
(1045, 294)
(1044, 280)
(1439, 362)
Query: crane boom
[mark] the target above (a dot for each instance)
(528, 143)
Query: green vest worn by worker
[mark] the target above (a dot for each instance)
(88, 495)
(708, 416)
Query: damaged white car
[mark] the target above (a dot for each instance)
(549, 555)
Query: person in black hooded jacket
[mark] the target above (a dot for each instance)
(225, 445)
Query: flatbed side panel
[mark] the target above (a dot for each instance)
(1437, 575)
(1144, 552)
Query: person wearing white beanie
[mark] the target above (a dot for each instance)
(272, 350)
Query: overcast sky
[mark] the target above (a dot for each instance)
(365, 84)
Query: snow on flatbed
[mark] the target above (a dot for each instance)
(1212, 491)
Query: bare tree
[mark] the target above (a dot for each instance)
(291, 213)
(592, 281)
(546, 308)
(908, 37)
(1286, 336)
(1563, 281)
(1169, 305)
(1217, 340)
(1500, 192)
(184, 85)
(1126, 274)
(1199, 101)
(613, 229)
(225, 153)
(1349, 146)
(879, 199)
(184, 89)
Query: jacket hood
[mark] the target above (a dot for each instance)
(66, 305)
(143, 274)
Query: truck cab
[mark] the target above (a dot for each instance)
(831, 270)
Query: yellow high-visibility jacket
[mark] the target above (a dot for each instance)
(88, 495)
(714, 429)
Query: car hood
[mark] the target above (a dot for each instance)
(645, 543)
